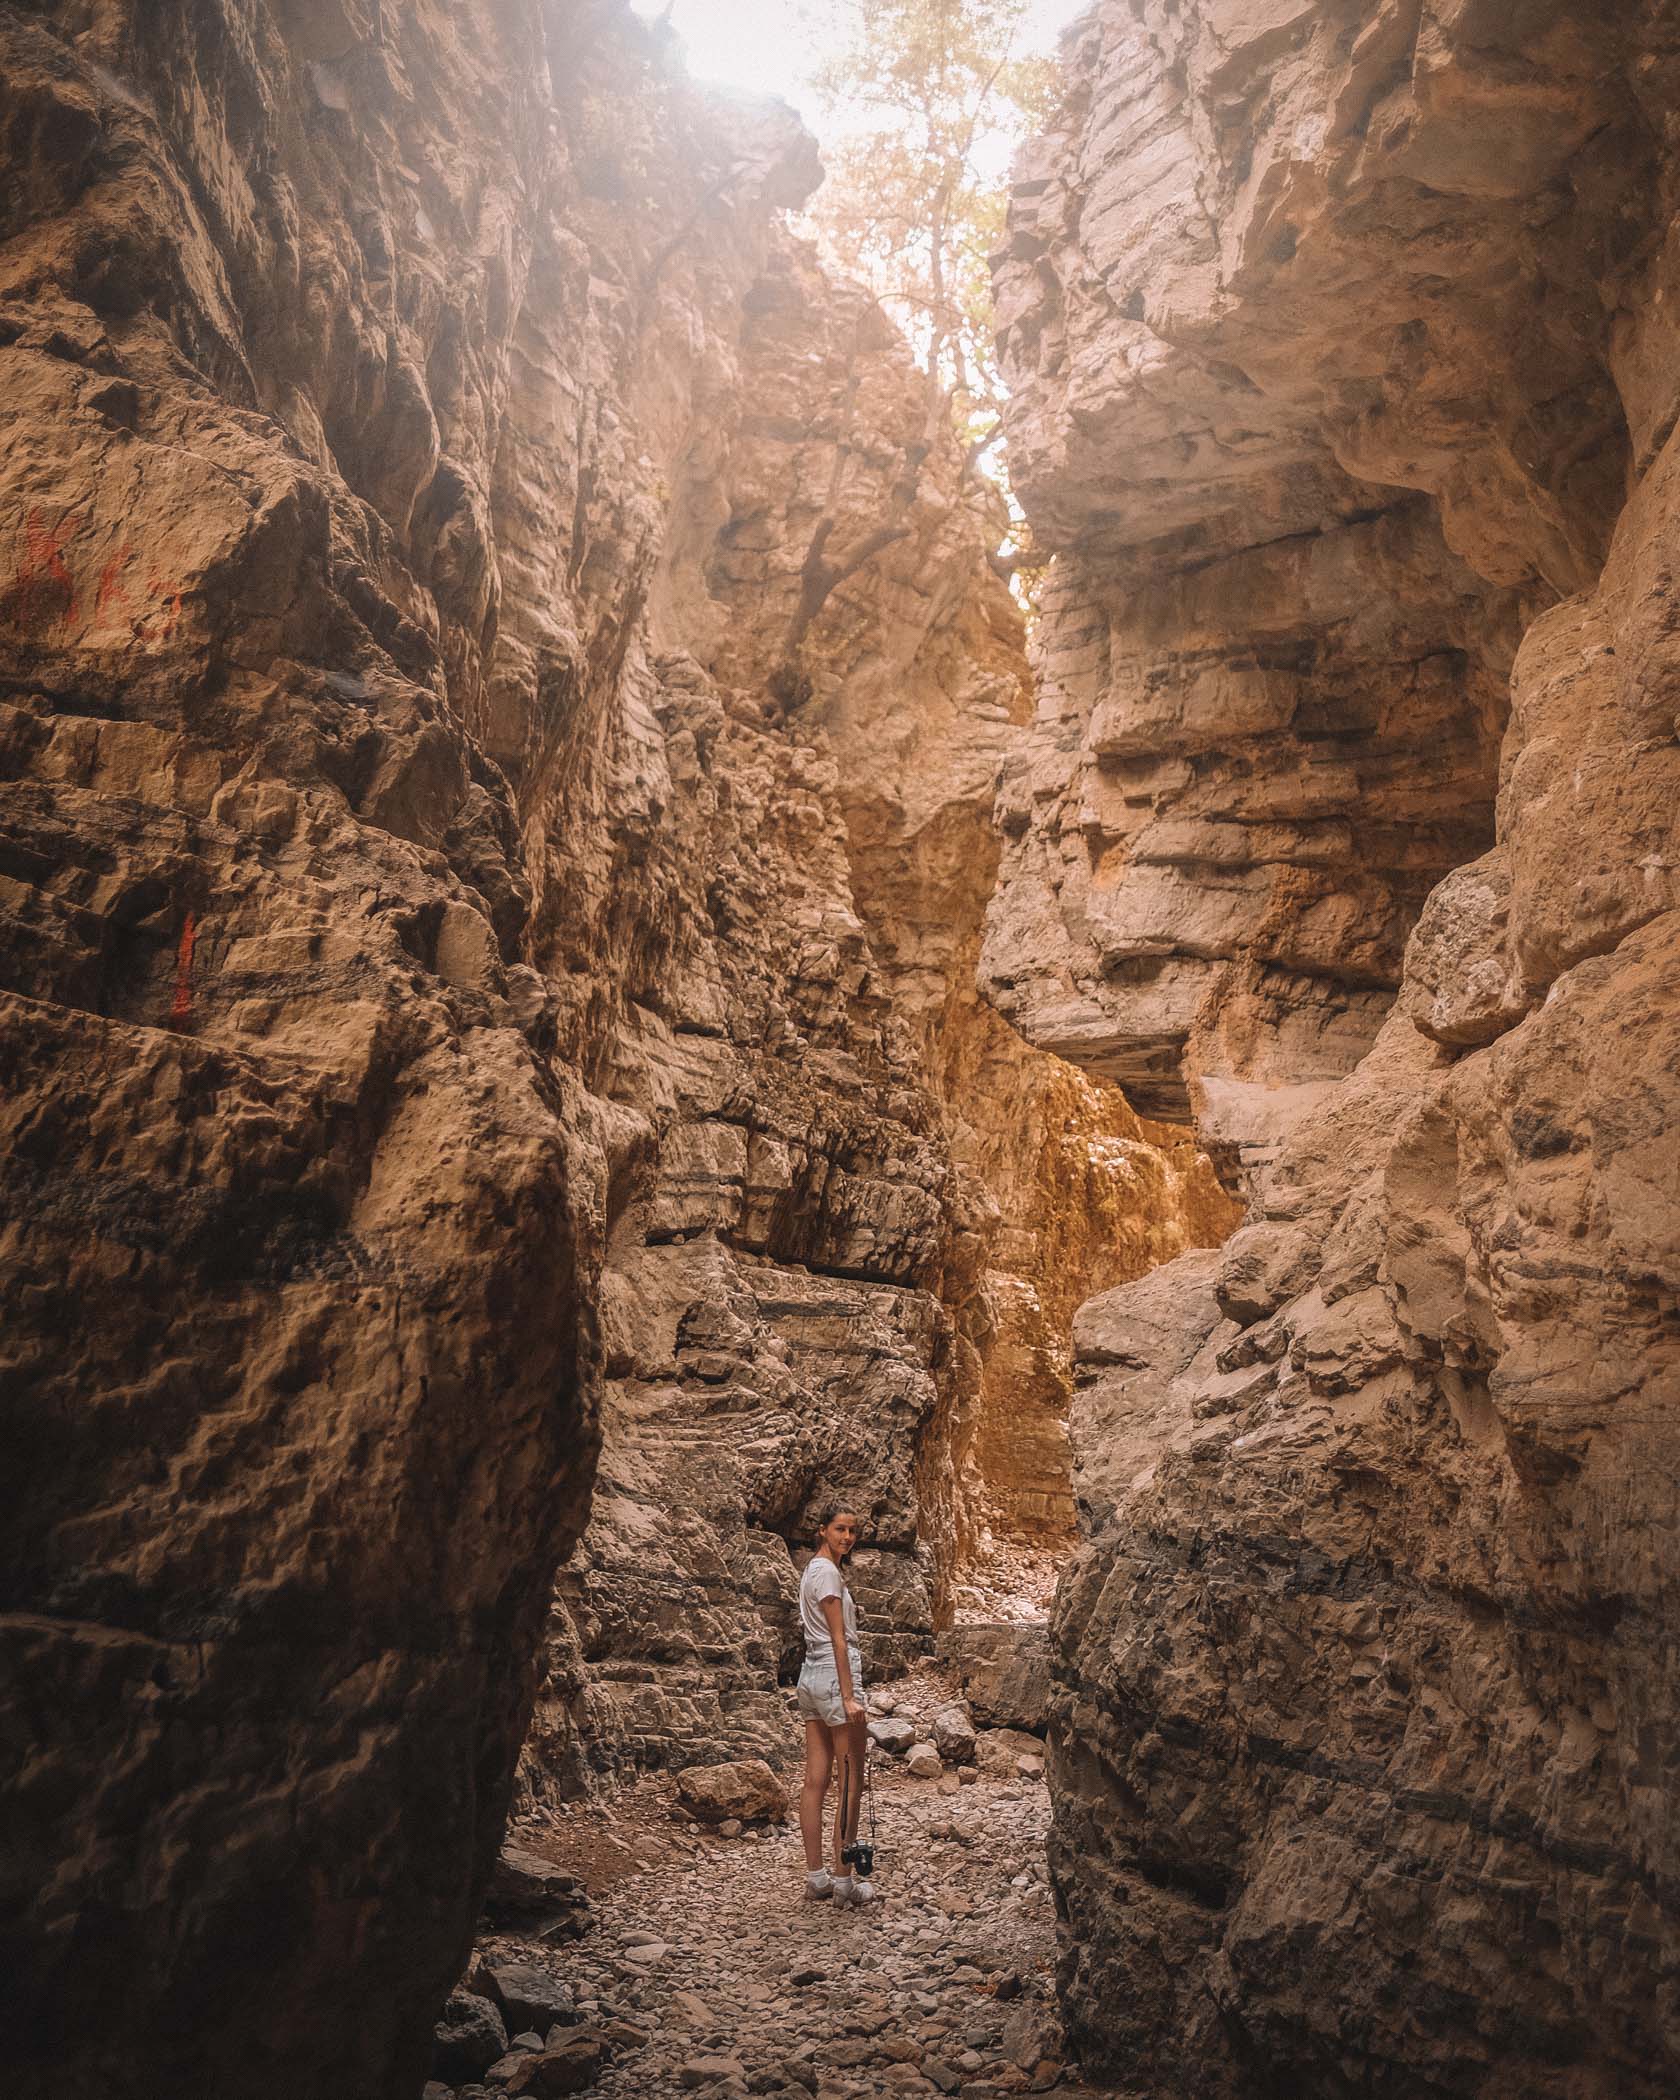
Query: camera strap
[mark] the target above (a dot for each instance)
(866, 1797)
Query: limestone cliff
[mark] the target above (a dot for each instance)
(1346, 386)
(839, 824)
(495, 841)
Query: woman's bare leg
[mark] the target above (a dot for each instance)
(819, 1762)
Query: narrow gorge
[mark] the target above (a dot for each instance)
(574, 983)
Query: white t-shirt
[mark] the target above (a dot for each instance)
(822, 1579)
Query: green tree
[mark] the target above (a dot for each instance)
(926, 101)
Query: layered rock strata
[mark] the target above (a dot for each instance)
(1343, 356)
(853, 1270)
(1245, 330)
(457, 996)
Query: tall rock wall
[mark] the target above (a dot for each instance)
(488, 928)
(853, 1269)
(302, 1207)
(1345, 386)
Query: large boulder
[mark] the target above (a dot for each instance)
(953, 1735)
(529, 1996)
(529, 1891)
(1000, 1750)
(572, 2067)
(469, 2038)
(745, 1791)
(1004, 1670)
(893, 1736)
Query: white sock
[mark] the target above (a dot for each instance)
(842, 1886)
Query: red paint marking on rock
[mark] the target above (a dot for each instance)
(111, 587)
(180, 1007)
(44, 592)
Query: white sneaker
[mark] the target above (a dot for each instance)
(819, 1886)
(841, 1885)
(863, 1891)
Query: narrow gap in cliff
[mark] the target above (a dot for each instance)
(850, 1263)
(545, 900)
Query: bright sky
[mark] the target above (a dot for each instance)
(757, 43)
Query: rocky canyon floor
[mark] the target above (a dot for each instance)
(704, 1969)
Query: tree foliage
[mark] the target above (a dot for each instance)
(926, 101)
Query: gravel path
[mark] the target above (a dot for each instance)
(713, 1974)
(941, 1985)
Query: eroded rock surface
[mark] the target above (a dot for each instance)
(874, 1206)
(488, 961)
(302, 1205)
(1245, 331)
(1344, 363)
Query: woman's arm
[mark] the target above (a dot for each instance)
(835, 1613)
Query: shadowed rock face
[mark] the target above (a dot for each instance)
(1345, 377)
(452, 1010)
(300, 1203)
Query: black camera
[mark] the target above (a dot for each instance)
(860, 1856)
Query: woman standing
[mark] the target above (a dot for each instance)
(831, 1699)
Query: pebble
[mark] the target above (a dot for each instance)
(701, 2070)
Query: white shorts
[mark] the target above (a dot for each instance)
(819, 1690)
